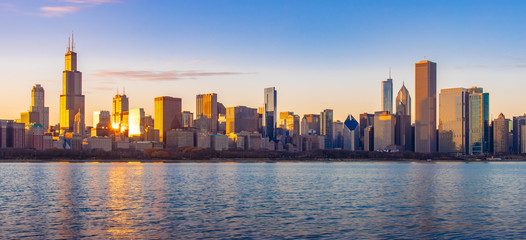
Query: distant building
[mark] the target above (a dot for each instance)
(71, 100)
(241, 118)
(136, 124)
(102, 143)
(366, 120)
(311, 125)
(188, 119)
(326, 125)
(206, 107)
(453, 121)
(478, 121)
(179, 138)
(518, 140)
(387, 94)
(38, 113)
(403, 131)
(34, 137)
(270, 113)
(425, 111)
(337, 134)
(368, 139)
(501, 129)
(120, 109)
(351, 134)
(219, 142)
(384, 130)
(167, 115)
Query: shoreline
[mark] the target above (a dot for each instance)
(252, 160)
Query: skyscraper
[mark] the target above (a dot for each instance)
(136, 123)
(366, 120)
(403, 130)
(425, 102)
(167, 115)
(384, 130)
(518, 141)
(453, 120)
(326, 126)
(120, 109)
(206, 107)
(71, 100)
(311, 124)
(478, 121)
(270, 112)
(241, 118)
(387, 94)
(38, 113)
(501, 127)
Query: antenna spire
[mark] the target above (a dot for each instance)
(72, 41)
(69, 41)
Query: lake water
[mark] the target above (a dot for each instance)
(373, 200)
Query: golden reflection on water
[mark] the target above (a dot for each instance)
(125, 187)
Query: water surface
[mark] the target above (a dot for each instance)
(373, 200)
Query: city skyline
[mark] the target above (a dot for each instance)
(185, 65)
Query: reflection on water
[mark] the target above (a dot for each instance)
(264, 201)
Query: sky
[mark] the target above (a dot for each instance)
(318, 54)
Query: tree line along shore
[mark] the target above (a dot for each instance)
(193, 154)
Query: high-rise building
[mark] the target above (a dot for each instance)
(136, 123)
(501, 130)
(71, 100)
(283, 119)
(387, 94)
(384, 130)
(293, 125)
(167, 115)
(425, 103)
(453, 120)
(102, 117)
(270, 113)
(38, 113)
(311, 125)
(351, 134)
(403, 131)
(241, 118)
(120, 109)
(206, 107)
(337, 134)
(366, 120)
(518, 122)
(188, 119)
(326, 125)
(478, 121)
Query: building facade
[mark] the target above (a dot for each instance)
(387, 95)
(501, 130)
(71, 100)
(270, 113)
(167, 115)
(326, 125)
(478, 121)
(403, 131)
(425, 107)
(453, 120)
(120, 108)
(207, 107)
(241, 118)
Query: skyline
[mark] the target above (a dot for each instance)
(314, 65)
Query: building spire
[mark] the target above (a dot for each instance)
(69, 42)
(72, 41)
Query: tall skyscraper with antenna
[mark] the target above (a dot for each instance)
(387, 94)
(72, 100)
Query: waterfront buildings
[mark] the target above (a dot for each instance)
(241, 118)
(326, 125)
(311, 125)
(120, 111)
(167, 115)
(425, 107)
(518, 140)
(351, 134)
(384, 130)
(136, 124)
(38, 113)
(387, 94)
(188, 119)
(71, 100)
(270, 113)
(403, 129)
(453, 123)
(366, 120)
(478, 121)
(207, 107)
(501, 129)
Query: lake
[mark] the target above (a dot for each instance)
(369, 200)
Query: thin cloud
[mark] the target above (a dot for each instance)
(92, 1)
(58, 11)
(471, 67)
(154, 76)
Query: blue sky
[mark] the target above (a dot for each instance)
(318, 54)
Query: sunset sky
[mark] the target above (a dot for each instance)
(318, 54)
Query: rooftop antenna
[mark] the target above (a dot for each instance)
(72, 41)
(69, 41)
